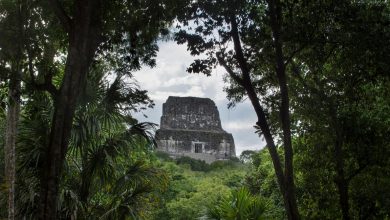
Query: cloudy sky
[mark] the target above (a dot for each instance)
(169, 78)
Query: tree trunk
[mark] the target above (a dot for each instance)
(10, 138)
(285, 179)
(262, 123)
(342, 187)
(65, 105)
(13, 110)
(341, 181)
(276, 23)
(84, 38)
(246, 83)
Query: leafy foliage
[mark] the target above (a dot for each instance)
(108, 173)
(190, 192)
(240, 205)
(337, 77)
(336, 56)
(261, 181)
(195, 165)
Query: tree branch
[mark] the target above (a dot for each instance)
(47, 85)
(229, 70)
(238, 48)
(292, 55)
(297, 74)
(356, 172)
(65, 20)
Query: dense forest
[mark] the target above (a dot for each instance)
(317, 74)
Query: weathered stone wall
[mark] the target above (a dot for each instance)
(191, 126)
(190, 113)
(178, 141)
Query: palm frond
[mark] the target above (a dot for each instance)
(133, 191)
(241, 204)
(145, 130)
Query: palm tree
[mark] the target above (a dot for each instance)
(107, 174)
(240, 205)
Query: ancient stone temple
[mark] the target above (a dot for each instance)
(191, 126)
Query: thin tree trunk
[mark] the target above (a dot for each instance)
(262, 123)
(10, 140)
(285, 179)
(13, 111)
(84, 37)
(341, 181)
(246, 83)
(276, 22)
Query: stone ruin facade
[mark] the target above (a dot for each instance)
(191, 126)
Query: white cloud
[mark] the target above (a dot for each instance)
(238, 126)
